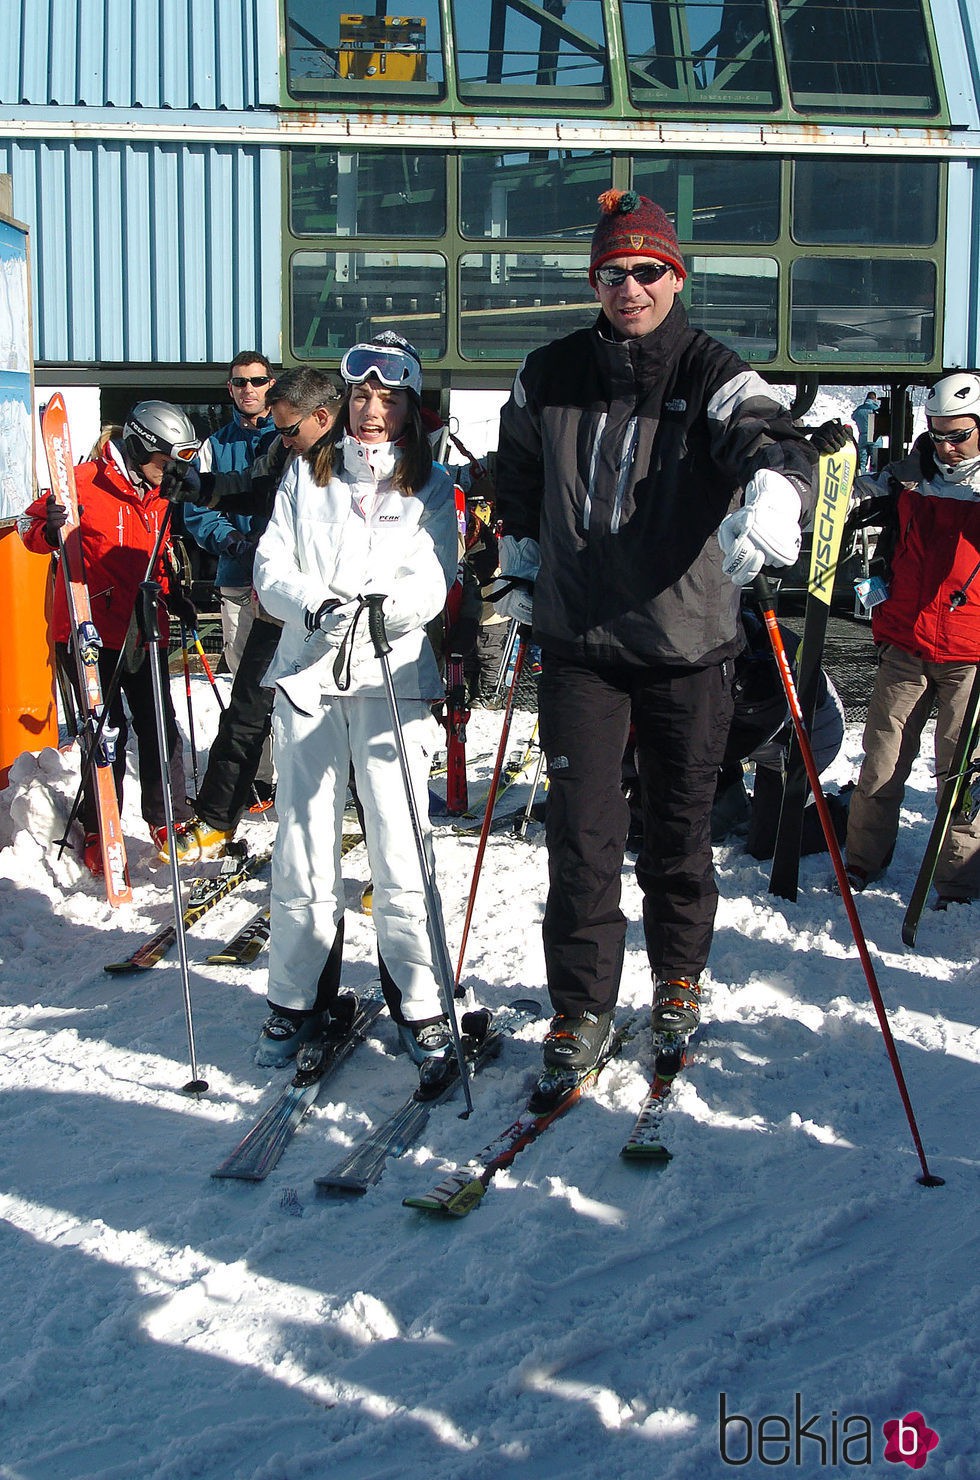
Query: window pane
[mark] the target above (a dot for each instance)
(688, 53)
(367, 192)
(846, 309)
(539, 192)
(331, 50)
(341, 298)
(867, 56)
(874, 201)
(734, 298)
(513, 301)
(713, 198)
(531, 49)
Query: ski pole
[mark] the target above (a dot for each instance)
(529, 809)
(437, 935)
(491, 798)
(190, 707)
(202, 655)
(149, 619)
(764, 598)
(506, 658)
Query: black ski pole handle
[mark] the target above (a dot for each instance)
(148, 613)
(376, 625)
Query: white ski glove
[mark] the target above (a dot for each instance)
(512, 591)
(329, 615)
(764, 531)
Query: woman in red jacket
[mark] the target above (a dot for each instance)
(928, 635)
(120, 515)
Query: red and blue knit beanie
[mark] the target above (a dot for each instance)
(633, 226)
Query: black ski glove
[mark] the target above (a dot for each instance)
(182, 608)
(831, 436)
(183, 483)
(55, 518)
(239, 546)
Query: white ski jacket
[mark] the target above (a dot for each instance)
(356, 537)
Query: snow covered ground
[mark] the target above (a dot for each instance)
(590, 1316)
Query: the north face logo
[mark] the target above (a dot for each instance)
(677, 405)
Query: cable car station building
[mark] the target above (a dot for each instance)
(202, 176)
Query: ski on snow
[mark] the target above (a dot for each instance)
(85, 643)
(514, 771)
(482, 1036)
(459, 1192)
(246, 944)
(261, 1147)
(202, 896)
(644, 1143)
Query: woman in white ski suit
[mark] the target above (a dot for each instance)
(324, 548)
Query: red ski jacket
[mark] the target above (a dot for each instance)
(937, 552)
(119, 529)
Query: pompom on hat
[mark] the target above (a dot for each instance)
(633, 226)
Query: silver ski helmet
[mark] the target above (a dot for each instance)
(156, 426)
(955, 395)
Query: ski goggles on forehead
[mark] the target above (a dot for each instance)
(394, 369)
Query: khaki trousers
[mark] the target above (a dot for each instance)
(904, 692)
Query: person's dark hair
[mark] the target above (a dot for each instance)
(305, 388)
(414, 465)
(308, 389)
(250, 357)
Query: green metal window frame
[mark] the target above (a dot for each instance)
(457, 366)
(445, 98)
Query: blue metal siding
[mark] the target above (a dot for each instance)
(152, 253)
(211, 54)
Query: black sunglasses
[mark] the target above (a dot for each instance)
(953, 438)
(239, 380)
(291, 431)
(615, 277)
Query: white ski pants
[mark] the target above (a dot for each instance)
(315, 753)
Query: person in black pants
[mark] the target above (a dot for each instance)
(644, 472)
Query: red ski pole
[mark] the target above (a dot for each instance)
(764, 598)
(491, 799)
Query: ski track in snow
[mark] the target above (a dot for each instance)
(587, 1316)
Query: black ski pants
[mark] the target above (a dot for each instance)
(682, 717)
(137, 688)
(242, 729)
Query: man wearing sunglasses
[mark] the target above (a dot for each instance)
(627, 451)
(232, 536)
(927, 631)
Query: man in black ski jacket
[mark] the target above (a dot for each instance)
(644, 474)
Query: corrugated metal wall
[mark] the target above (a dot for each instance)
(150, 253)
(140, 53)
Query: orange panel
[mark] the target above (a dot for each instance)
(28, 709)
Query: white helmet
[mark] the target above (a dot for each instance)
(955, 395)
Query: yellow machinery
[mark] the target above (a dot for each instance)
(388, 48)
